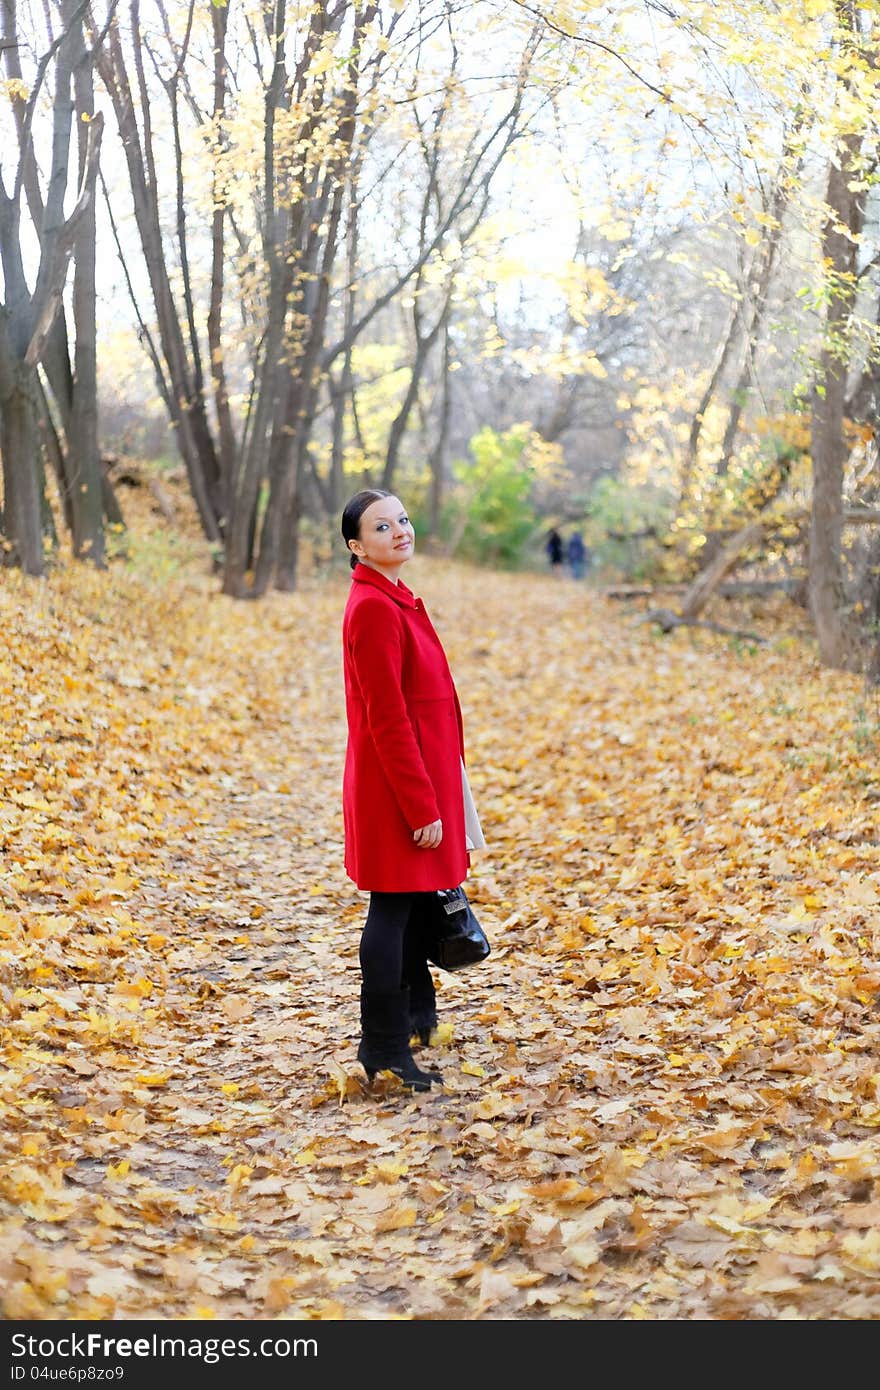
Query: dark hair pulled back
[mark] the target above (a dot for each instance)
(354, 510)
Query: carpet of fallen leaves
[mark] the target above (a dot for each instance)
(662, 1091)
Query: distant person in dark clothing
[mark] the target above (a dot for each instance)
(554, 550)
(578, 556)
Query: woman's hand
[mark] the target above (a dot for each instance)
(429, 836)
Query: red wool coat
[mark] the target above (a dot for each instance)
(405, 743)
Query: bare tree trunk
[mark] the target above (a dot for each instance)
(835, 630)
(344, 389)
(53, 450)
(424, 343)
(228, 445)
(83, 452)
(29, 319)
(756, 290)
(727, 559)
(19, 445)
(314, 245)
(437, 460)
(288, 444)
(288, 550)
(272, 375)
(336, 481)
(722, 356)
(186, 403)
(250, 471)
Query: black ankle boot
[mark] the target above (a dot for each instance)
(422, 1023)
(384, 1044)
(422, 1002)
(422, 1017)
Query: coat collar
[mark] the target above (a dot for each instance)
(362, 574)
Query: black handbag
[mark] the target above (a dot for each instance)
(454, 936)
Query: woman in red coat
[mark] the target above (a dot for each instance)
(404, 789)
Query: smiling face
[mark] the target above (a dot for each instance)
(386, 539)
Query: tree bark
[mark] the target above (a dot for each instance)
(835, 629)
(725, 561)
(424, 343)
(437, 460)
(227, 440)
(83, 451)
(312, 244)
(759, 282)
(745, 322)
(19, 445)
(342, 392)
(186, 404)
(30, 319)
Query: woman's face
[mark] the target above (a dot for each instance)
(387, 538)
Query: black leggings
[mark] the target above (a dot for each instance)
(392, 952)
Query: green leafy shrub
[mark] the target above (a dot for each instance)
(627, 526)
(489, 517)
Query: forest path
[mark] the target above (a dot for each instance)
(661, 1097)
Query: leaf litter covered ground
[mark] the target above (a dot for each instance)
(662, 1092)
